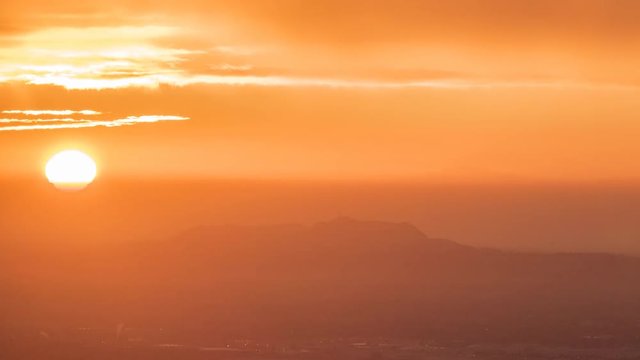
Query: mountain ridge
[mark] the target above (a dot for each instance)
(338, 278)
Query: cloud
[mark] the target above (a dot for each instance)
(155, 80)
(93, 57)
(25, 124)
(330, 43)
(40, 121)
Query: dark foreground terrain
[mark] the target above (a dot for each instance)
(316, 350)
(343, 289)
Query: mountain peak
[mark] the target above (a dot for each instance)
(347, 225)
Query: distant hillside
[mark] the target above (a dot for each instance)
(338, 278)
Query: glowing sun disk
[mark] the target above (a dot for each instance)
(71, 170)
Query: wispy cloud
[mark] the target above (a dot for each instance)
(235, 50)
(38, 121)
(95, 58)
(25, 124)
(180, 80)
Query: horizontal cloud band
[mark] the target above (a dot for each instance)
(9, 124)
(179, 80)
(115, 57)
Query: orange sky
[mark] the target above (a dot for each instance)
(478, 91)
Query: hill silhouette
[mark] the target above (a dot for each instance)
(338, 278)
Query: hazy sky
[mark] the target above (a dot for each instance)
(494, 90)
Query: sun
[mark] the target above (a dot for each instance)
(71, 170)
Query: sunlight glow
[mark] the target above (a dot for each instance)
(92, 58)
(71, 170)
